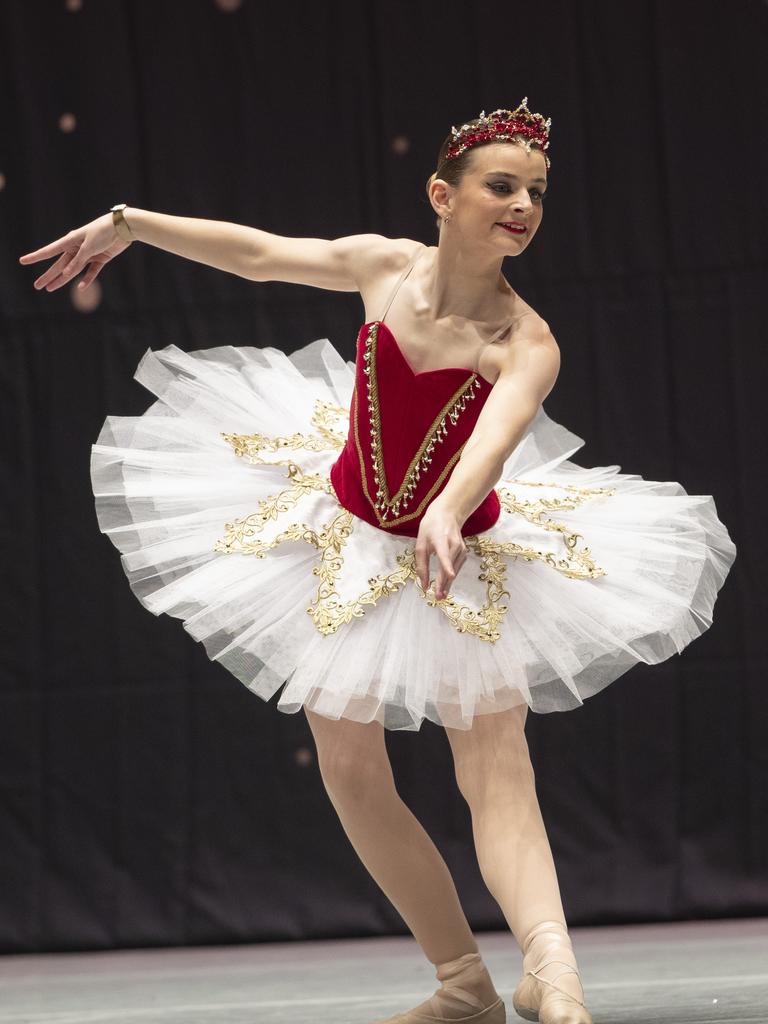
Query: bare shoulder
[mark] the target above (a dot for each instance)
(379, 271)
(535, 332)
(383, 256)
(530, 349)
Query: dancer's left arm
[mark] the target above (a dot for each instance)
(528, 374)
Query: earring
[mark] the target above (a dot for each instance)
(446, 219)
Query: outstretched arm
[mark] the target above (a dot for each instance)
(217, 243)
(526, 378)
(256, 254)
(337, 264)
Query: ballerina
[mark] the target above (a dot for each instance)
(291, 509)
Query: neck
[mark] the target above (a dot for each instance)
(465, 283)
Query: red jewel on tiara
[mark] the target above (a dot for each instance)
(502, 125)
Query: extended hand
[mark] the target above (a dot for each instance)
(440, 535)
(94, 244)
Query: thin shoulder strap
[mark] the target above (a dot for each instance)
(503, 328)
(406, 272)
(400, 280)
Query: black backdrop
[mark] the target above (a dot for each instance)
(147, 796)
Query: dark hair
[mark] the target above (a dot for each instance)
(452, 171)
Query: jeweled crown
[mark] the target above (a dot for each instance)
(502, 125)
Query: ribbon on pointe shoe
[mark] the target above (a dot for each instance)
(533, 1002)
(466, 996)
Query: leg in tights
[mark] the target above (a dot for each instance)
(401, 858)
(495, 776)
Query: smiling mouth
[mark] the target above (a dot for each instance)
(513, 229)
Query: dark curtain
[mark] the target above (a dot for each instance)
(147, 797)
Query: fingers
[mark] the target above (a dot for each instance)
(445, 574)
(63, 270)
(448, 566)
(447, 544)
(90, 275)
(48, 250)
(422, 563)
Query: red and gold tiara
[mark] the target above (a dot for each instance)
(501, 125)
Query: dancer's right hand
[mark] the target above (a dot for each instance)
(94, 245)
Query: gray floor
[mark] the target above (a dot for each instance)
(692, 972)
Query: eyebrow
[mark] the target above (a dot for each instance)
(506, 174)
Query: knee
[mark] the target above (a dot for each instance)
(352, 757)
(354, 774)
(492, 757)
(482, 775)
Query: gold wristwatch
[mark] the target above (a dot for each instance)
(120, 223)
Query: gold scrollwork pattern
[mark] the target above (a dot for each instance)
(238, 533)
(328, 611)
(481, 622)
(250, 446)
(578, 563)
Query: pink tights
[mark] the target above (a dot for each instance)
(495, 776)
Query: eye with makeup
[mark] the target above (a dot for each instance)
(505, 187)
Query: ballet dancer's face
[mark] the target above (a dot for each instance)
(504, 185)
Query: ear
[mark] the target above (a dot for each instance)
(440, 196)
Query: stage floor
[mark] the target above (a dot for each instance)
(687, 973)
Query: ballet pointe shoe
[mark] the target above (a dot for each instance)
(538, 996)
(466, 996)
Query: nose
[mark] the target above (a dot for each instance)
(523, 201)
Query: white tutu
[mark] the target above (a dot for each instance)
(585, 573)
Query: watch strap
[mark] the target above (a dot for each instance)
(120, 223)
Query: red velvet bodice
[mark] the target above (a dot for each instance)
(418, 424)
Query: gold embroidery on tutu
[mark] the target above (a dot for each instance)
(325, 413)
(250, 447)
(238, 531)
(328, 611)
(580, 564)
(484, 621)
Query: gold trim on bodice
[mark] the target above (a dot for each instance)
(383, 504)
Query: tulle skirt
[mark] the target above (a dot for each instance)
(220, 501)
